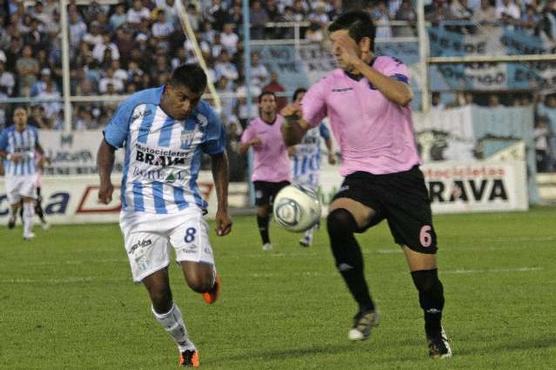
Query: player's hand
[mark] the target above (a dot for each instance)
(16, 157)
(223, 223)
(292, 110)
(291, 150)
(256, 142)
(105, 193)
(348, 48)
(331, 158)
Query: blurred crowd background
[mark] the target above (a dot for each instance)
(126, 46)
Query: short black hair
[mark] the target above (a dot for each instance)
(297, 92)
(358, 23)
(265, 93)
(191, 76)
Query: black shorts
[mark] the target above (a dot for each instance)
(266, 191)
(402, 199)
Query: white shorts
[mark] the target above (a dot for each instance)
(18, 187)
(148, 238)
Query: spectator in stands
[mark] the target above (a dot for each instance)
(93, 37)
(161, 30)
(405, 12)
(40, 85)
(137, 13)
(107, 44)
(235, 15)
(194, 17)
(541, 134)
(77, 29)
(314, 33)
(51, 108)
(485, 15)
(39, 13)
(229, 38)
(259, 18)
(179, 59)
(274, 86)
(216, 14)
(38, 117)
(109, 78)
(379, 14)
(493, 101)
(224, 67)
(118, 18)
(508, 12)
(436, 102)
(259, 73)
(27, 69)
(7, 81)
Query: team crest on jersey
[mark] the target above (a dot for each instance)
(187, 138)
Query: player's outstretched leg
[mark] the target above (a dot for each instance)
(12, 216)
(431, 300)
(203, 278)
(307, 239)
(169, 316)
(349, 261)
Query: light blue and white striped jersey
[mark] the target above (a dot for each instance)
(305, 163)
(162, 155)
(24, 142)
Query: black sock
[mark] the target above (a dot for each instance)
(263, 228)
(347, 253)
(431, 299)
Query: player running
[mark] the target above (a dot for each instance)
(164, 131)
(306, 158)
(271, 165)
(18, 144)
(367, 101)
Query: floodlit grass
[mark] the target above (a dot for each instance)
(67, 301)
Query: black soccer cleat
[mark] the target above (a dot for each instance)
(363, 322)
(11, 222)
(439, 347)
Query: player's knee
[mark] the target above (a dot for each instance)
(200, 282)
(340, 222)
(427, 281)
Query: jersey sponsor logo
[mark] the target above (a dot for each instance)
(139, 115)
(471, 190)
(160, 174)
(140, 244)
(161, 157)
(342, 89)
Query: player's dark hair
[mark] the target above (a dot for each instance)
(191, 76)
(265, 93)
(358, 23)
(297, 92)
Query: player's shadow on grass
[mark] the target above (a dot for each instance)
(296, 352)
(526, 344)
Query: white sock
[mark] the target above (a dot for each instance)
(172, 322)
(309, 233)
(28, 214)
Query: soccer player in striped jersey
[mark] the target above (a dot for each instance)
(305, 159)
(271, 165)
(367, 100)
(164, 132)
(18, 144)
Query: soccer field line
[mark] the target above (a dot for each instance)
(90, 279)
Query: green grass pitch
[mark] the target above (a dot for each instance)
(67, 301)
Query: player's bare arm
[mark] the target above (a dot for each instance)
(357, 57)
(105, 163)
(220, 176)
(330, 148)
(295, 127)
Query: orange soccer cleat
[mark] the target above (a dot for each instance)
(189, 359)
(212, 295)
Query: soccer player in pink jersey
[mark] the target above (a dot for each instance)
(367, 101)
(271, 164)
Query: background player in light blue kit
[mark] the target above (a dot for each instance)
(164, 131)
(18, 144)
(306, 158)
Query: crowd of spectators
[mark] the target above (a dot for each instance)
(119, 48)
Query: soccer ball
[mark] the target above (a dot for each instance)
(297, 208)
